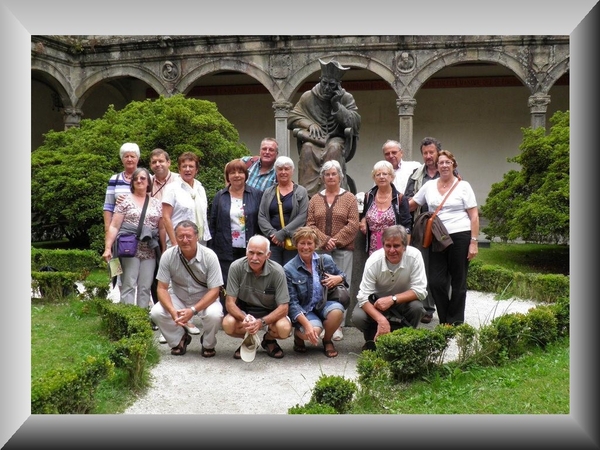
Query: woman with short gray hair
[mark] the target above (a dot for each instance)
(333, 215)
(285, 202)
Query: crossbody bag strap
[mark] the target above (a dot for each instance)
(458, 179)
(190, 271)
(280, 207)
(142, 217)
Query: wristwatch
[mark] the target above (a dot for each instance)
(394, 299)
(194, 312)
(263, 323)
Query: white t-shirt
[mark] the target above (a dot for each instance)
(453, 214)
(403, 172)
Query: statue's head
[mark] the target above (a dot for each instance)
(332, 69)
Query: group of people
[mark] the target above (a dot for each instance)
(276, 250)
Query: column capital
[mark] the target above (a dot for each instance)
(406, 106)
(282, 109)
(538, 103)
(72, 117)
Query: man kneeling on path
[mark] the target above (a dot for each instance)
(392, 288)
(189, 279)
(257, 287)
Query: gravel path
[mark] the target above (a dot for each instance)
(191, 384)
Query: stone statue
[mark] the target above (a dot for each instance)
(325, 122)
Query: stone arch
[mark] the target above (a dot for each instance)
(552, 75)
(349, 60)
(439, 61)
(231, 64)
(49, 74)
(143, 73)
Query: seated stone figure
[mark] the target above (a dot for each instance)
(326, 123)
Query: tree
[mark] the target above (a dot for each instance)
(533, 204)
(70, 171)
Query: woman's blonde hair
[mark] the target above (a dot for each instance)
(306, 233)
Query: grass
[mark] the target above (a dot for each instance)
(63, 334)
(537, 383)
(527, 258)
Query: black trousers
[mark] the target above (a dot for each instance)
(450, 267)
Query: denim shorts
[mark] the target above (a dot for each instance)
(316, 317)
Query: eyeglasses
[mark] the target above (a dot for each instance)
(444, 163)
(141, 179)
(185, 238)
(268, 150)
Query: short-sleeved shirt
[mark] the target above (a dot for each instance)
(259, 180)
(454, 213)
(117, 185)
(268, 290)
(205, 265)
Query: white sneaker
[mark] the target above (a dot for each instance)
(191, 328)
(338, 335)
(161, 339)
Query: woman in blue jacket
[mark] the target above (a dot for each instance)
(309, 309)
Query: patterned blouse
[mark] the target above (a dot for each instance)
(132, 216)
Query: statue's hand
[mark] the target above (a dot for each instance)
(316, 132)
(336, 98)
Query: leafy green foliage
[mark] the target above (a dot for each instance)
(312, 408)
(335, 391)
(70, 171)
(533, 204)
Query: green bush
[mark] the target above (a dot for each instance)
(538, 287)
(80, 261)
(412, 352)
(312, 408)
(71, 169)
(70, 391)
(561, 310)
(543, 326)
(503, 339)
(372, 369)
(335, 391)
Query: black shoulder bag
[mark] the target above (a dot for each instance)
(338, 293)
(222, 292)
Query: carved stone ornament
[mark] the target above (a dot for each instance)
(280, 66)
(406, 62)
(170, 72)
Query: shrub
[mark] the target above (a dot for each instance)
(312, 408)
(411, 352)
(543, 326)
(335, 391)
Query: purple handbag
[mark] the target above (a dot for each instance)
(126, 245)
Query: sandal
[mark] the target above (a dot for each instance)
(332, 352)
(299, 345)
(181, 349)
(206, 352)
(237, 354)
(275, 351)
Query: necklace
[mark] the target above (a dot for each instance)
(385, 199)
(444, 185)
(126, 177)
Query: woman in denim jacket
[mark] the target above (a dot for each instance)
(309, 309)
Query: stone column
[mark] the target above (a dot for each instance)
(282, 111)
(406, 108)
(538, 105)
(72, 117)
